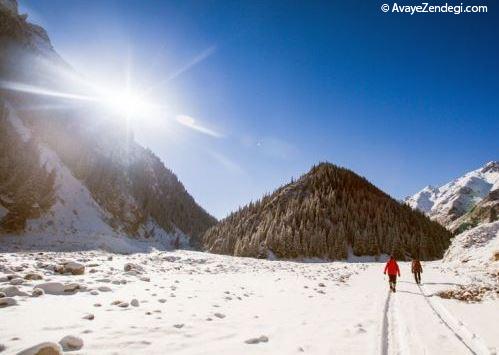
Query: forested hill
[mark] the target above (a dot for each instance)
(323, 214)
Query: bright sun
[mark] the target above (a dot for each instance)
(127, 103)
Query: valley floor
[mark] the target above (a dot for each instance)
(196, 303)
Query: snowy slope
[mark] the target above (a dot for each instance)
(76, 218)
(476, 249)
(454, 199)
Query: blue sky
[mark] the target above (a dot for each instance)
(276, 86)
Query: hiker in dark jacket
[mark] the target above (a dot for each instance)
(393, 270)
(417, 270)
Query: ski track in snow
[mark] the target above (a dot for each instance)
(398, 337)
(394, 338)
(473, 342)
(384, 326)
(196, 303)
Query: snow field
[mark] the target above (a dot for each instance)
(191, 303)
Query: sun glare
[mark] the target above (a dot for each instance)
(127, 103)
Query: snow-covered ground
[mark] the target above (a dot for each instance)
(187, 302)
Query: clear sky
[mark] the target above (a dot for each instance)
(274, 87)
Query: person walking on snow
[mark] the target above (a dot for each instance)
(393, 270)
(417, 270)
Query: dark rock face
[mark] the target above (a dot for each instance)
(485, 211)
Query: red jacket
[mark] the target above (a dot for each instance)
(392, 267)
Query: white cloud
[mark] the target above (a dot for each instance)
(191, 123)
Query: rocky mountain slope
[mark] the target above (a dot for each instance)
(323, 214)
(69, 169)
(468, 206)
(463, 203)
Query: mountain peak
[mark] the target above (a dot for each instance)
(491, 167)
(449, 203)
(324, 214)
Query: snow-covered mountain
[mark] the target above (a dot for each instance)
(464, 202)
(70, 174)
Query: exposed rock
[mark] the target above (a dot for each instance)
(37, 292)
(17, 281)
(72, 287)
(134, 267)
(89, 316)
(47, 348)
(33, 276)
(104, 289)
(7, 301)
(74, 268)
(470, 293)
(71, 342)
(134, 302)
(58, 269)
(2, 295)
(261, 339)
(464, 203)
(52, 288)
(12, 291)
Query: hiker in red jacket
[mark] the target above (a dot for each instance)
(393, 269)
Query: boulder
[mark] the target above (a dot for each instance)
(71, 342)
(7, 301)
(12, 291)
(52, 288)
(47, 348)
(89, 316)
(74, 268)
(37, 292)
(17, 281)
(71, 287)
(33, 276)
(133, 267)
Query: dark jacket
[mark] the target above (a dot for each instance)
(416, 266)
